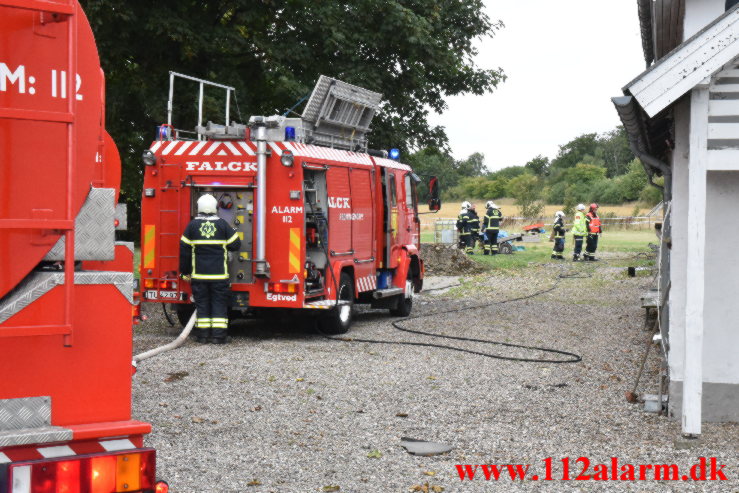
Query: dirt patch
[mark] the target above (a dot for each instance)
(448, 260)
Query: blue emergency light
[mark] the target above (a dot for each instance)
(394, 154)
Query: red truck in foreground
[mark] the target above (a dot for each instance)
(66, 285)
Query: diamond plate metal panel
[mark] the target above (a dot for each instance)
(38, 284)
(30, 436)
(121, 215)
(25, 412)
(33, 287)
(94, 229)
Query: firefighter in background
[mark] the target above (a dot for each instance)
(463, 226)
(204, 250)
(579, 231)
(491, 226)
(474, 222)
(594, 229)
(558, 233)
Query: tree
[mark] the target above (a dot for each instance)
(614, 149)
(575, 150)
(539, 165)
(526, 189)
(474, 165)
(415, 53)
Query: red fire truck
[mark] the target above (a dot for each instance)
(66, 286)
(325, 222)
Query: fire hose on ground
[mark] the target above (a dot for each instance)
(172, 345)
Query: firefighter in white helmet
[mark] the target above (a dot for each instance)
(204, 250)
(558, 234)
(579, 231)
(490, 227)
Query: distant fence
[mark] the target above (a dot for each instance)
(515, 223)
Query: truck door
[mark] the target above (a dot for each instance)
(392, 220)
(410, 205)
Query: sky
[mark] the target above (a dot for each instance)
(564, 60)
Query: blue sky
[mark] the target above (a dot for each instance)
(564, 60)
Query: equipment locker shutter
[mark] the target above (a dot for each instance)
(339, 210)
(362, 214)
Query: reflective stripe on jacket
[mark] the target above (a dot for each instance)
(204, 248)
(463, 223)
(579, 226)
(559, 228)
(474, 222)
(492, 220)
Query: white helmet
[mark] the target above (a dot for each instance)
(559, 214)
(466, 205)
(207, 204)
(491, 205)
(580, 207)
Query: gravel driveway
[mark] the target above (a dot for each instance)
(285, 410)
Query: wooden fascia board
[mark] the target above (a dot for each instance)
(700, 57)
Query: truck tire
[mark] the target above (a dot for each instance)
(405, 304)
(505, 248)
(339, 319)
(184, 312)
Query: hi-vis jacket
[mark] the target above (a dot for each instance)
(579, 227)
(492, 218)
(593, 223)
(204, 248)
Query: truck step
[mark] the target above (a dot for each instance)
(386, 293)
(323, 304)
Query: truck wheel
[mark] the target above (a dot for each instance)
(339, 319)
(184, 312)
(405, 303)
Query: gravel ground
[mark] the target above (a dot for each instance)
(284, 410)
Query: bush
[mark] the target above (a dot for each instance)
(526, 189)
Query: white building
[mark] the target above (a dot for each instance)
(682, 117)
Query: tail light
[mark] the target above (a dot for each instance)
(282, 287)
(164, 284)
(149, 283)
(101, 473)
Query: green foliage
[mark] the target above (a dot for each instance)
(539, 165)
(610, 150)
(526, 189)
(273, 51)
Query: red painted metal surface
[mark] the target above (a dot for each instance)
(358, 188)
(43, 105)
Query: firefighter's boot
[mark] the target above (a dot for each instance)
(575, 257)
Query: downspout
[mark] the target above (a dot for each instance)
(261, 266)
(652, 162)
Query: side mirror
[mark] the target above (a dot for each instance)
(434, 194)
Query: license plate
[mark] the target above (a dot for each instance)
(168, 295)
(150, 295)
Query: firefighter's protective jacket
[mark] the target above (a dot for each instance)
(558, 228)
(579, 226)
(204, 248)
(474, 222)
(463, 222)
(492, 219)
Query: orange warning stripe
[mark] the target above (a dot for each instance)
(294, 250)
(149, 246)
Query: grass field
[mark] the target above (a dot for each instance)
(620, 242)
